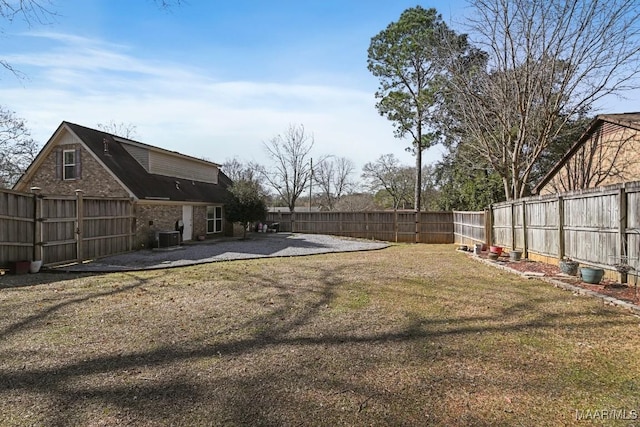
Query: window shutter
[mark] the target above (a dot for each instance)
(78, 164)
(58, 154)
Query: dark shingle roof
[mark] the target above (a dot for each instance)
(143, 184)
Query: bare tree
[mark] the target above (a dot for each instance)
(249, 172)
(357, 202)
(332, 176)
(125, 130)
(291, 171)
(17, 148)
(388, 175)
(546, 62)
(601, 160)
(235, 169)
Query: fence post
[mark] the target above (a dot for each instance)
(79, 224)
(513, 224)
(417, 220)
(395, 223)
(293, 221)
(622, 231)
(560, 228)
(132, 224)
(366, 225)
(37, 224)
(488, 225)
(525, 245)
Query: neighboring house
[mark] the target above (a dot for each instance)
(606, 153)
(165, 186)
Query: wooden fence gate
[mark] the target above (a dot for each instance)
(61, 229)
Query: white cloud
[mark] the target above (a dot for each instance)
(180, 108)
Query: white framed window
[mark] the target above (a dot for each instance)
(214, 219)
(69, 164)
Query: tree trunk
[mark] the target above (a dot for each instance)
(417, 195)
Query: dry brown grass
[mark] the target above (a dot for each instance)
(410, 335)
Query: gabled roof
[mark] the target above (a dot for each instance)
(135, 178)
(628, 120)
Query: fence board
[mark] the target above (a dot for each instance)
(58, 229)
(106, 227)
(398, 226)
(542, 218)
(16, 226)
(502, 220)
(469, 227)
(596, 226)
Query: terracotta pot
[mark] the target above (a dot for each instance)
(20, 267)
(496, 249)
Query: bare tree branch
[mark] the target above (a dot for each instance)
(605, 158)
(125, 130)
(17, 148)
(332, 176)
(291, 171)
(387, 174)
(546, 62)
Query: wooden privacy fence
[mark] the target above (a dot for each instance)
(391, 226)
(59, 229)
(470, 227)
(599, 227)
(17, 213)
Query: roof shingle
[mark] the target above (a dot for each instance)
(145, 185)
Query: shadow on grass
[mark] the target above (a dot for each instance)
(8, 281)
(257, 397)
(44, 313)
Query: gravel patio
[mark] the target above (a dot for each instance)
(256, 245)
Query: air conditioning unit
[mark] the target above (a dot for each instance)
(168, 239)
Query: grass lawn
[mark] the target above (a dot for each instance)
(409, 335)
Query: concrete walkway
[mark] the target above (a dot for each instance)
(257, 245)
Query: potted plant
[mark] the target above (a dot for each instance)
(477, 248)
(592, 275)
(35, 266)
(622, 266)
(569, 266)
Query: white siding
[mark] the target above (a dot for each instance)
(168, 165)
(140, 154)
(68, 138)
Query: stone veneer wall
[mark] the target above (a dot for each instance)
(94, 181)
(154, 217)
(151, 218)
